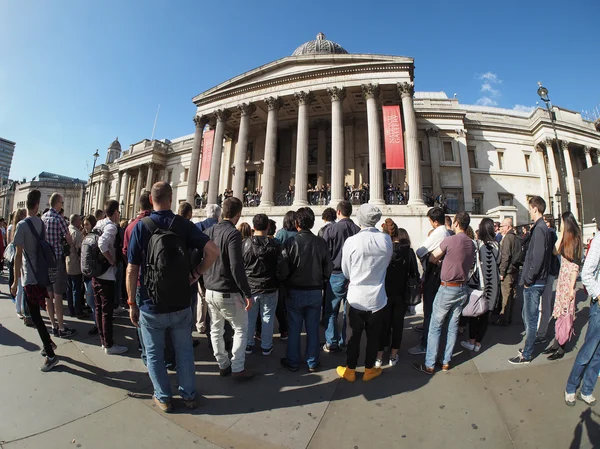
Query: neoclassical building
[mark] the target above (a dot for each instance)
(315, 117)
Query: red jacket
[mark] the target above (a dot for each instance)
(129, 230)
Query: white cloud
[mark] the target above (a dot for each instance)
(487, 87)
(523, 108)
(491, 78)
(486, 101)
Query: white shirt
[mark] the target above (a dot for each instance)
(590, 274)
(433, 241)
(365, 259)
(106, 243)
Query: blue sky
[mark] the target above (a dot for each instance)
(76, 74)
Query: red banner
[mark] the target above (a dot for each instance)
(394, 143)
(207, 150)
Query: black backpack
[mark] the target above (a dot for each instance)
(168, 265)
(93, 262)
(46, 259)
(518, 254)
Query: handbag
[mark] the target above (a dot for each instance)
(9, 253)
(412, 296)
(477, 304)
(564, 328)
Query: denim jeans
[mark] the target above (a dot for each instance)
(431, 285)
(531, 313)
(154, 326)
(266, 304)
(335, 296)
(546, 304)
(228, 307)
(304, 306)
(170, 361)
(587, 362)
(89, 298)
(75, 293)
(448, 301)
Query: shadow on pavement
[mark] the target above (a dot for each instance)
(587, 423)
(8, 338)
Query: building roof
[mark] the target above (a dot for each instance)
(53, 177)
(320, 46)
(115, 145)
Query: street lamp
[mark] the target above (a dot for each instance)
(562, 199)
(122, 207)
(96, 156)
(557, 197)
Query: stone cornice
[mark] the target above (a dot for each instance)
(484, 171)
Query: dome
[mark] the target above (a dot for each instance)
(320, 46)
(115, 145)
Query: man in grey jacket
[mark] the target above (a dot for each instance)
(509, 272)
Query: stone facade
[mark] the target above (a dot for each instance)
(72, 190)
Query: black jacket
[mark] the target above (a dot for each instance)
(538, 255)
(307, 263)
(262, 260)
(396, 277)
(336, 235)
(227, 274)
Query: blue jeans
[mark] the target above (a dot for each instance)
(587, 362)
(75, 300)
(89, 298)
(170, 361)
(266, 304)
(531, 314)
(304, 307)
(448, 301)
(335, 295)
(153, 328)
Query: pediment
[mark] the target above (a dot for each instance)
(294, 67)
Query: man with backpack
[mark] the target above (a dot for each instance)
(510, 261)
(104, 278)
(228, 293)
(159, 257)
(28, 262)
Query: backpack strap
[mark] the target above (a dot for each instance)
(150, 224)
(33, 230)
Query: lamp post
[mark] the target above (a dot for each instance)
(122, 207)
(96, 155)
(557, 197)
(562, 179)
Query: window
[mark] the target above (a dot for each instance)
(448, 153)
(528, 162)
(185, 174)
(478, 203)
(500, 160)
(421, 153)
(505, 199)
(170, 176)
(472, 158)
(453, 202)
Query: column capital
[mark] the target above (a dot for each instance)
(303, 97)
(274, 103)
(246, 109)
(212, 121)
(200, 120)
(406, 89)
(222, 115)
(548, 141)
(587, 149)
(461, 133)
(433, 132)
(370, 90)
(564, 144)
(321, 123)
(336, 93)
(539, 148)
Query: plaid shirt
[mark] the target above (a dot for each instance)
(56, 229)
(36, 294)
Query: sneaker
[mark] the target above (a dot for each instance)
(82, 316)
(540, 341)
(43, 351)
(283, 336)
(48, 364)
(394, 360)
(286, 364)
(115, 350)
(570, 399)
(467, 345)
(249, 349)
(378, 363)
(588, 399)
(165, 407)
(243, 375)
(20, 315)
(27, 321)
(417, 350)
(93, 331)
(330, 349)
(519, 360)
(423, 368)
(314, 369)
(268, 351)
(418, 328)
(55, 331)
(225, 371)
(190, 404)
(66, 333)
(446, 367)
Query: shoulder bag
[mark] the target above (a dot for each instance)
(476, 304)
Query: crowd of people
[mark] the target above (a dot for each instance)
(233, 281)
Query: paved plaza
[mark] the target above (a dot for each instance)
(91, 400)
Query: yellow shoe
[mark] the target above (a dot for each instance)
(346, 373)
(371, 373)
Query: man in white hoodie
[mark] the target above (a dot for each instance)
(365, 259)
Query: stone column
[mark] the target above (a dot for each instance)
(215, 163)
(300, 197)
(413, 159)
(240, 149)
(434, 156)
(150, 174)
(371, 92)
(588, 157)
(138, 190)
(351, 167)
(118, 189)
(337, 95)
(543, 176)
(465, 170)
(125, 190)
(570, 178)
(268, 176)
(192, 186)
(321, 151)
(293, 155)
(101, 193)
